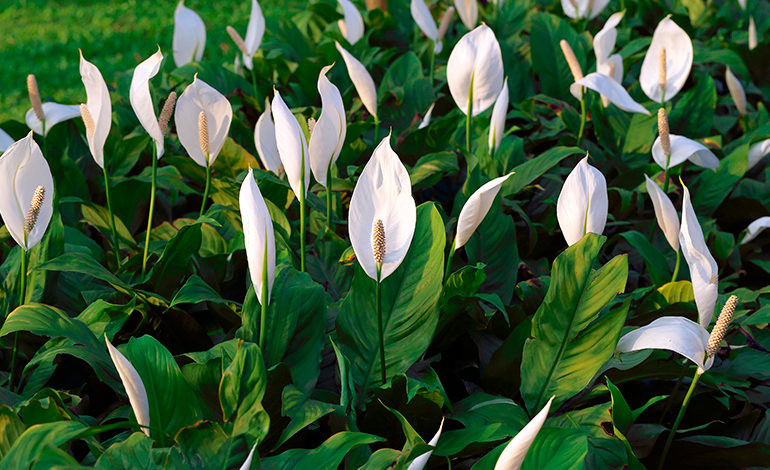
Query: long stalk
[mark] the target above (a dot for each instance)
(329, 223)
(582, 116)
(208, 187)
(115, 243)
(376, 130)
(665, 174)
(22, 298)
(152, 207)
(264, 303)
(678, 419)
(254, 84)
(448, 269)
(378, 299)
(468, 117)
(676, 267)
(302, 214)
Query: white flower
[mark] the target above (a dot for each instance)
(137, 395)
(755, 228)
(497, 121)
(328, 136)
(579, 9)
(683, 149)
(468, 10)
(361, 79)
(258, 236)
(99, 106)
(752, 34)
(475, 70)
(665, 213)
(352, 27)
(292, 146)
(5, 140)
(582, 203)
(189, 35)
(426, 119)
(264, 140)
(736, 91)
(677, 334)
(674, 40)
(141, 101)
(516, 451)
(476, 208)
(425, 21)
(419, 462)
(610, 89)
(54, 114)
(757, 152)
(201, 97)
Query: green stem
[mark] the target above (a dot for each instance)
(676, 267)
(152, 208)
(45, 140)
(582, 116)
(448, 269)
(22, 298)
(378, 299)
(678, 419)
(329, 222)
(254, 85)
(263, 302)
(376, 131)
(115, 243)
(665, 174)
(468, 117)
(431, 61)
(302, 190)
(208, 187)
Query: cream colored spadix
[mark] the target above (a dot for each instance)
(99, 107)
(579, 9)
(189, 35)
(665, 213)
(475, 70)
(476, 208)
(264, 140)
(328, 135)
(199, 97)
(516, 451)
(258, 236)
(137, 395)
(292, 146)
(582, 204)
(352, 27)
(468, 10)
(141, 100)
(419, 462)
(383, 192)
(674, 40)
(361, 79)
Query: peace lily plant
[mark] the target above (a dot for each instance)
(516, 451)
(582, 204)
(671, 150)
(667, 63)
(41, 117)
(132, 382)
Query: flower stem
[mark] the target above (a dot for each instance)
(676, 267)
(208, 187)
(22, 297)
(254, 85)
(448, 269)
(468, 117)
(264, 303)
(582, 117)
(431, 61)
(152, 208)
(376, 130)
(378, 299)
(302, 229)
(329, 222)
(678, 419)
(115, 243)
(665, 174)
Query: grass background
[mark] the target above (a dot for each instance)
(43, 37)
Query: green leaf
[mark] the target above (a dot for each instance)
(302, 411)
(621, 412)
(194, 291)
(570, 339)
(133, 453)
(243, 386)
(172, 266)
(84, 264)
(564, 449)
(409, 299)
(713, 187)
(28, 446)
(432, 167)
(327, 455)
(11, 428)
(654, 261)
(548, 61)
(533, 168)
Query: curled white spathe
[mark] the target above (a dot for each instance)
(54, 114)
(476, 208)
(141, 100)
(736, 91)
(683, 149)
(258, 236)
(361, 79)
(665, 213)
(497, 121)
(582, 204)
(22, 169)
(755, 228)
(264, 140)
(679, 55)
(99, 106)
(200, 96)
(328, 135)
(383, 192)
(137, 395)
(516, 451)
(352, 27)
(578, 9)
(189, 35)
(677, 334)
(419, 462)
(292, 146)
(703, 268)
(426, 119)
(610, 89)
(476, 61)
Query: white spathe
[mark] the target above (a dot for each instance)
(426, 119)
(468, 10)
(475, 70)
(258, 236)
(382, 192)
(736, 91)
(476, 208)
(329, 132)
(679, 56)
(361, 79)
(677, 334)
(200, 96)
(578, 9)
(352, 27)
(189, 36)
(99, 106)
(582, 204)
(757, 152)
(141, 100)
(423, 18)
(516, 451)
(264, 140)
(683, 149)
(665, 213)
(419, 462)
(54, 114)
(137, 395)
(497, 121)
(5, 140)
(755, 228)
(254, 32)
(292, 146)
(610, 89)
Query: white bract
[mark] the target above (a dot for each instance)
(328, 135)
(426, 119)
(703, 268)
(736, 91)
(579, 9)
(258, 236)
(753, 41)
(137, 395)
(419, 462)
(99, 106)
(22, 169)
(476, 208)
(141, 100)
(200, 96)
(292, 146)
(516, 451)
(189, 35)
(361, 79)
(610, 89)
(5, 140)
(54, 114)
(468, 10)
(352, 27)
(383, 192)
(497, 121)
(582, 203)
(755, 228)
(264, 140)
(254, 32)
(475, 71)
(757, 152)
(247, 463)
(424, 20)
(679, 55)
(677, 334)
(683, 149)
(604, 42)
(665, 213)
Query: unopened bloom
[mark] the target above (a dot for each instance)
(423, 18)
(736, 91)
(99, 109)
(189, 35)
(137, 394)
(264, 140)
(476, 208)
(352, 27)
(516, 451)
(254, 32)
(468, 10)
(292, 146)
(419, 462)
(665, 213)
(582, 204)
(141, 100)
(361, 79)
(328, 134)
(497, 121)
(258, 236)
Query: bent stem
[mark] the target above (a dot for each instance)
(676, 267)
(329, 223)
(582, 116)
(682, 410)
(378, 300)
(115, 243)
(152, 207)
(263, 302)
(208, 187)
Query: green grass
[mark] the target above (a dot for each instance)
(43, 37)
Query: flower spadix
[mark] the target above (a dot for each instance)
(468, 10)
(189, 35)
(328, 135)
(475, 71)
(476, 208)
(419, 462)
(382, 194)
(582, 204)
(516, 451)
(352, 26)
(736, 90)
(579, 9)
(137, 395)
(258, 236)
(201, 97)
(99, 109)
(755, 228)
(141, 100)
(26, 201)
(292, 146)
(497, 121)
(424, 20)
(264, 140)
(254, 32)
(51, 113)
(703, 268)
(665, 213)
(361, 79)
(667, 63)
